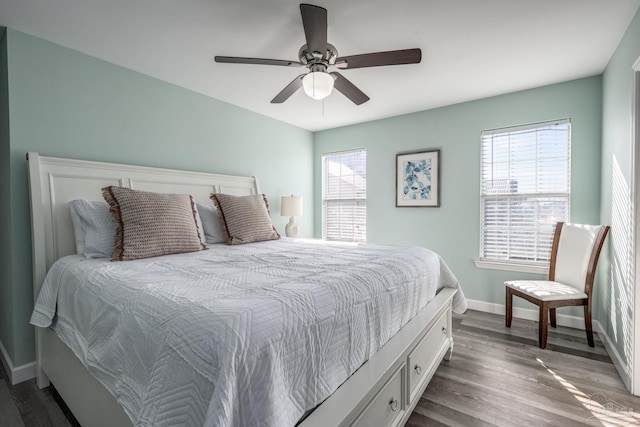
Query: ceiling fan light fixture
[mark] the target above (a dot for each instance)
(318, 56)
(317, 84)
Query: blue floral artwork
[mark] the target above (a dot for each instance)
(417, 180)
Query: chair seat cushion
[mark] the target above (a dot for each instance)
(546, 290)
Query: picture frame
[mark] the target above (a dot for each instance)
(418, 179)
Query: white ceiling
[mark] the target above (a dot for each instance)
(471, 49)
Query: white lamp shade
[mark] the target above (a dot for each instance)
(291, 206)
(317, 84)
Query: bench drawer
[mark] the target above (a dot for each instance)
(387, 406)
(421, 362)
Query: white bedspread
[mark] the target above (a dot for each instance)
(249, 335)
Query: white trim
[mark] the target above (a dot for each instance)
(16, 374)
(634, 383)
(613, 354)
(23, 373)
(525, 313)
(525, 127)
(510, 266)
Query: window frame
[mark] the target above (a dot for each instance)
(537, 267)
(355, 200)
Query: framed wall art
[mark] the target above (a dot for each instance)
(418, 179)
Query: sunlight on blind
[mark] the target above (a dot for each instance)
(344, 196)
(525, 190)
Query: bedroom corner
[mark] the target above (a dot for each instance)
(65, 103)
(6, 293)
(616, 309)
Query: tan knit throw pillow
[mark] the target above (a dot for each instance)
(151, 224)
(245, 219)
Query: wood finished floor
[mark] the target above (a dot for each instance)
(497, 377)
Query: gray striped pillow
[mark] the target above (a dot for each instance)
(152, 224)
(245, 219)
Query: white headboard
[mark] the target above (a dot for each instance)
(55, 181)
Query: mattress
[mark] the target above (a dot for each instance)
(249, 335)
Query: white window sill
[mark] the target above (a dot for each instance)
(511, 266)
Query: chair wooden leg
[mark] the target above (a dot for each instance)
(509, 307)
(552, 317)
(587, 325)
(543, 325)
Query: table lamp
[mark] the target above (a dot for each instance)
(291, 206)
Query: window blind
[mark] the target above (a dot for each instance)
(525, 190)
(344, 196)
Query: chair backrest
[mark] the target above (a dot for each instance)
(574, 254)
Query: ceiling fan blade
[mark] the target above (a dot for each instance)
(258, 61)
(288, 90)
(348, 89)
(314, 21)
(377, 59)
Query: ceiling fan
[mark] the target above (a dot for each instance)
(318, 56)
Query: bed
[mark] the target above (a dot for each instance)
(167, 374)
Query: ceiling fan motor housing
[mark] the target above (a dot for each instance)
(311, 58)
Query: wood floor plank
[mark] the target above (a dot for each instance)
(487, 405)
(479, 318)
(567, 337)
(498, 376)
(528, 329)
(531, 355)
(500, 345)
(34, 407)
(543, 402)
(565, 348)
(428, 412)
(9, 414)
(523, 357)
(38, 407)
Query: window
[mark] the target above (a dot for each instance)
(525, 190)
(344, 196)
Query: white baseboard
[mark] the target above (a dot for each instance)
(525, 313)
(23, 373)
(562, 320)
(16, 374)
(613, 354)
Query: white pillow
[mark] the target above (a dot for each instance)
(199, 225)
(94, 228)
(211, 224)
(77, 231)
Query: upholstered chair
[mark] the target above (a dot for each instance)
(574, 257)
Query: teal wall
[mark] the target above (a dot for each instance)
(453, 230)
(67, 104)
(6, 312)
(615, 310)
(62, 103)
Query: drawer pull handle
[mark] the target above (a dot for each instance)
(444, 330)
(418, 369)
(394, 404)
